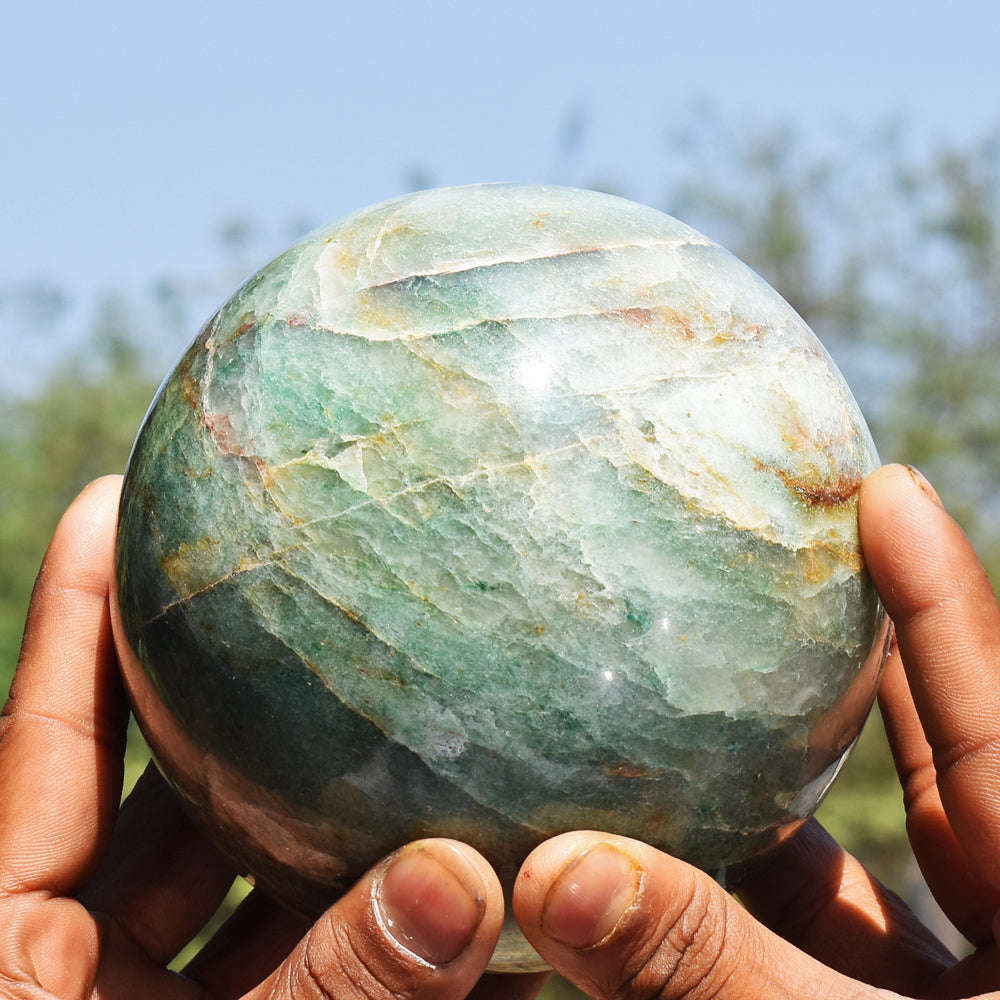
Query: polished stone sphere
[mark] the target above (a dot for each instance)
(490, 513)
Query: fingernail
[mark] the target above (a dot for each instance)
(590, 896)
(924, 484)
(430, 904)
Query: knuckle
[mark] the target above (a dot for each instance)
(919, 785)
(282, 983)
(338, 961)
(686, 956)
(983, 752)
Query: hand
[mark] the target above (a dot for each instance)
(614, 915)
(627, 922)
(93, 903)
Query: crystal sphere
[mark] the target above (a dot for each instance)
(490, 513)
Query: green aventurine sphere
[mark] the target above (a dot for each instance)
(489, 513)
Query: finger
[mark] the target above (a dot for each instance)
(62, 730)
(814, 894)
(160, 880)
(248, 947)
(948, 628)
(623, 921)
(420, 926)
(126, 971)
(965, 897)
(976, 975)
(260, 935)
(55, 947)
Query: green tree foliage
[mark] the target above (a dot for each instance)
(77, 426)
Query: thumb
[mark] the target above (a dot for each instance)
(422, 924)
(622, 920)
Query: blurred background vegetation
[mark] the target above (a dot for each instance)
(887, 248)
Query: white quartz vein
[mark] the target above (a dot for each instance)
(455, 483)
(635, 387)
(383, 334)
(375, 243)
(463, 266)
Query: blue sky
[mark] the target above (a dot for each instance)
(128, 130)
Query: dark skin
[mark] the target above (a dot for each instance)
(94, 901)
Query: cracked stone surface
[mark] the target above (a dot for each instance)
(494, 512)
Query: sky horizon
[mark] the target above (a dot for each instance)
(129, 135)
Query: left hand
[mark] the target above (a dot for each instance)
(95, 902)
(630, 923)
